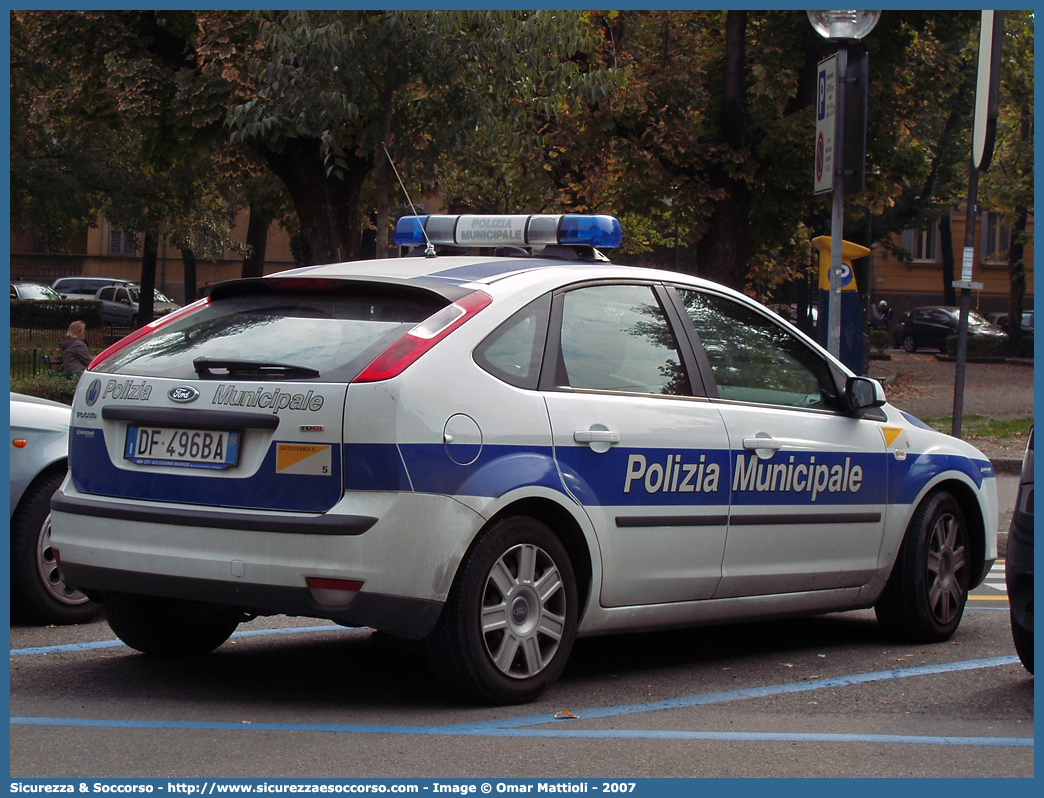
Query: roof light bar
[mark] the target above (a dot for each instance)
(474, 230)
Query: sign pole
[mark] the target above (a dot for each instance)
(837, 214)
(991, 33)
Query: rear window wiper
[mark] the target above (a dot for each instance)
(206, 367)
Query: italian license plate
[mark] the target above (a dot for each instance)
(186, 448)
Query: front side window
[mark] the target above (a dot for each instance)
(755, 360)
(617, 338)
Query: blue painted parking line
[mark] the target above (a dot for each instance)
(522, 727)
(649, 734)
(751, 692)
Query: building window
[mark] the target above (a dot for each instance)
(122, 243)
(208, 244)
(923, 244)
(996, 238)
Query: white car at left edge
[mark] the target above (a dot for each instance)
(39, 460)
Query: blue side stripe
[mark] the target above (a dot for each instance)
(94, 473)
(665, 477)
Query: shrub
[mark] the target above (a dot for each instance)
(47, 386)
(879, 339)
(979, 347)
(1024, 348)
(55, 315)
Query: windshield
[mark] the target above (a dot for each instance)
(157, 296)
(32, 291)
(334, 335)
(975, 320)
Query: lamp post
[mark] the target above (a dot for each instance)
(842, 27)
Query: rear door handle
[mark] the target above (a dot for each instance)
(596, 436)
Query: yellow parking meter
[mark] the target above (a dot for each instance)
(850, 350)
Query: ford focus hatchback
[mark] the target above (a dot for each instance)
(494, 454)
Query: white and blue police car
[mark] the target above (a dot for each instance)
(496, 453)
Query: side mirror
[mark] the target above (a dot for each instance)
(863, 393)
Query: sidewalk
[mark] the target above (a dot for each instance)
(922, 384)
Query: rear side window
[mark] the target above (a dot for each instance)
(334, 334)
(512, 352)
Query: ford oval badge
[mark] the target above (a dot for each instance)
(183, 394)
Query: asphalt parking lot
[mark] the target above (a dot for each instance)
(285, 698)
(295, 699)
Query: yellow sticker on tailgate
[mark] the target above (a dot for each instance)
(303, 458)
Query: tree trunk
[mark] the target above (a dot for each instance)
(327, 206)
(382, 177)
(1016, 277)
(188, 262)
(722, 252)
(257, 239)
(948, 265)
(147, 292)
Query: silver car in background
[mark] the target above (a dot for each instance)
(119, 304)
(39, 447)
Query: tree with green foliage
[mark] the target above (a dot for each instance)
(712, 135)
(1006, 188)
(331, 87)
(694, 127)
(113, 118)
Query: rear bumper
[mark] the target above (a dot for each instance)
(404, 548)
(404, 617)
(296, 524)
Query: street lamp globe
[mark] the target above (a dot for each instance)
(843, 25)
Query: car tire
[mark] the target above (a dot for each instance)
(510, 620)
(1023, 639)
(39, 595)
(909, 344)
(169, 628)
(928, 588)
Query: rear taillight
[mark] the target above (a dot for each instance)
(407, 350)
(333, 592)
(141, 332)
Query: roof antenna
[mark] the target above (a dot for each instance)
(429, 248)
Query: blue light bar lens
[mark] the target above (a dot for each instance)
(595, 231)
(409, 231)
(481, 230)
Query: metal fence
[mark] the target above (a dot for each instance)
(32, 362)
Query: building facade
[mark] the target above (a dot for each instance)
(907, 283)
(107, 251)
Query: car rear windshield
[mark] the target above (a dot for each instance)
(333, 334)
